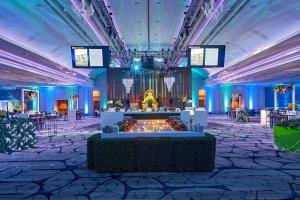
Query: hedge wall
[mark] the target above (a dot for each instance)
(16, 134)
(151, 154)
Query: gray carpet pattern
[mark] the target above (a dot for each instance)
(247, 167)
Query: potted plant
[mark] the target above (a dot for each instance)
(287, 135)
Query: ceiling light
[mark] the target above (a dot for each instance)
(136, 59)
(159, 59)
(83, 10)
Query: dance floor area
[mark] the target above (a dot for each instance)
(247, 167)
(151, 126)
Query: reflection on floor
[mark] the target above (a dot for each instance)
(247, 167)
(151, 126)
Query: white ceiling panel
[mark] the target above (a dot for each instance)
(131, 19)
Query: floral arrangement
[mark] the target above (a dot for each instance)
(283, 88)
(118, 105)
(176, 124)
(183, 99)
(126, 125)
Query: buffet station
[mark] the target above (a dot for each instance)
(152, 121)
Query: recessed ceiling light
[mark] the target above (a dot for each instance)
(136, 3)
(140, 34)
(157, 21)
(158, 3)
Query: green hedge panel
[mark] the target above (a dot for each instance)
(154, 154)
(115, 155)
(151, 154)
(90, 151)
(194, 154)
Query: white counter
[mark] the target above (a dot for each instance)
(111, 118)
(200, 118)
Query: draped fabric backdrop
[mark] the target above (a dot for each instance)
(148, 79)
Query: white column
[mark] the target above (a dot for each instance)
(275, 100)
(77, 101)
(38, 101)
(22, 100)
(294, 97)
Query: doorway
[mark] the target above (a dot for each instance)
(202, 98)
(96, 101)
(61, 106)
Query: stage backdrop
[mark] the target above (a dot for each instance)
(149, 79)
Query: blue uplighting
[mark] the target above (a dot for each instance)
(86, 108)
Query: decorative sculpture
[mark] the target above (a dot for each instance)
(127, 82)
(169, 81)
(149, 101)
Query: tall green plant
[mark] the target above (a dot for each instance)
(242, 116)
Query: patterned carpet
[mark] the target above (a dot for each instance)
(247, 167)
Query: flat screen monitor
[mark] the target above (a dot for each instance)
(206, 56)
(197, 56)
(90, 56)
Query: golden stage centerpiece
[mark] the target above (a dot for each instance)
(149, 101)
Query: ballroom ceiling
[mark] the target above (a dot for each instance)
(252, 26)
(39, 26)
(132, 20)
(48, 28)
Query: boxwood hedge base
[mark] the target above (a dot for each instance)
(194, 154)
(287, 139)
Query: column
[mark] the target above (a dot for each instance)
(294, 97)
(275, 99)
